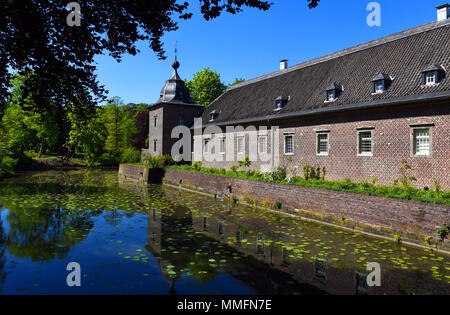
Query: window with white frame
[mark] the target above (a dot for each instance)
(331, 94)
(289, 144)
(240, 145)
(365, 143)
(431, 78)
(262, 144)
(421, 141)
(379, 86)
(222, 145)
(322, 143)
(206, 146)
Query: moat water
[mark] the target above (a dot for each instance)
(151, 239)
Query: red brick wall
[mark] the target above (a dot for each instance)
(400, 215)
(391, 142)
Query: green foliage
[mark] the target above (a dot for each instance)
(245, 162)
(443, 232)
(278, 205)
(205, 87)
(311, 172)
(108, 159)
(397, 239)
(86, 137)
(236, 81)
(29, 131)
(130, 155)
(7, 163)
(159, 161)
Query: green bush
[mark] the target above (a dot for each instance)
(130, 155)
(7, 165)
(107, 159)
(159, 161)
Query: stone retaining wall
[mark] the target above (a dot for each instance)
(382, 214)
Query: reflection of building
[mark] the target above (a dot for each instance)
(265, 266)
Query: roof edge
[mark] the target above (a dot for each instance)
(372, 104)
(377, 42)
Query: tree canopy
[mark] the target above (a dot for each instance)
(35, 37)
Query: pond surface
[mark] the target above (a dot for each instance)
(135, 239)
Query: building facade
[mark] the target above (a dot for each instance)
(173, 108)
(357, 113)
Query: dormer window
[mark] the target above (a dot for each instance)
(432, 75)
(381, 83)
(280, 102)
(213, 115)
(333, 92)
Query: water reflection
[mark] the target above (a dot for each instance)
(282, 255)
(157, 239)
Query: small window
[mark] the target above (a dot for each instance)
(421, 141)
(180, 121)
(381, 83)
(213, 115)
(288, 145)
(333, 92)
(431, 78)
(322, 144)
(280, 102)
(433, 74)
(240, 145)
(262, 144)
(222, 145)
(155, 121)
(155, 142)
(206, 147)
(379, 86)
(365, 143)
(331, 95)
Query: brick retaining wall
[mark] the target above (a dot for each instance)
(386, 213)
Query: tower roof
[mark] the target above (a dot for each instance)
(174, 91)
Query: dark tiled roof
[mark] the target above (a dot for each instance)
(174, 91)
(403, 56)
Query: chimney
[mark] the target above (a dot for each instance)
(283, 64)
(443, 12)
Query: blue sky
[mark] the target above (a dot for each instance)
(253, 42)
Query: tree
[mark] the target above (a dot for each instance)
(111, 117)
(236, 81)
(35, 37)
(139, 139)
(87, 138)
(205, 87)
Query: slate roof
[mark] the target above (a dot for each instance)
(402, 56)
(174, 91)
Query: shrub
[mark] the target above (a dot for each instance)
(278, 205)
(108, 159)
(159, 161)
(130, 155)
(311, 172)
(443, 232)
(7, 165)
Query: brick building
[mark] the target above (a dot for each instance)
(357, 112)
(173, 108)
